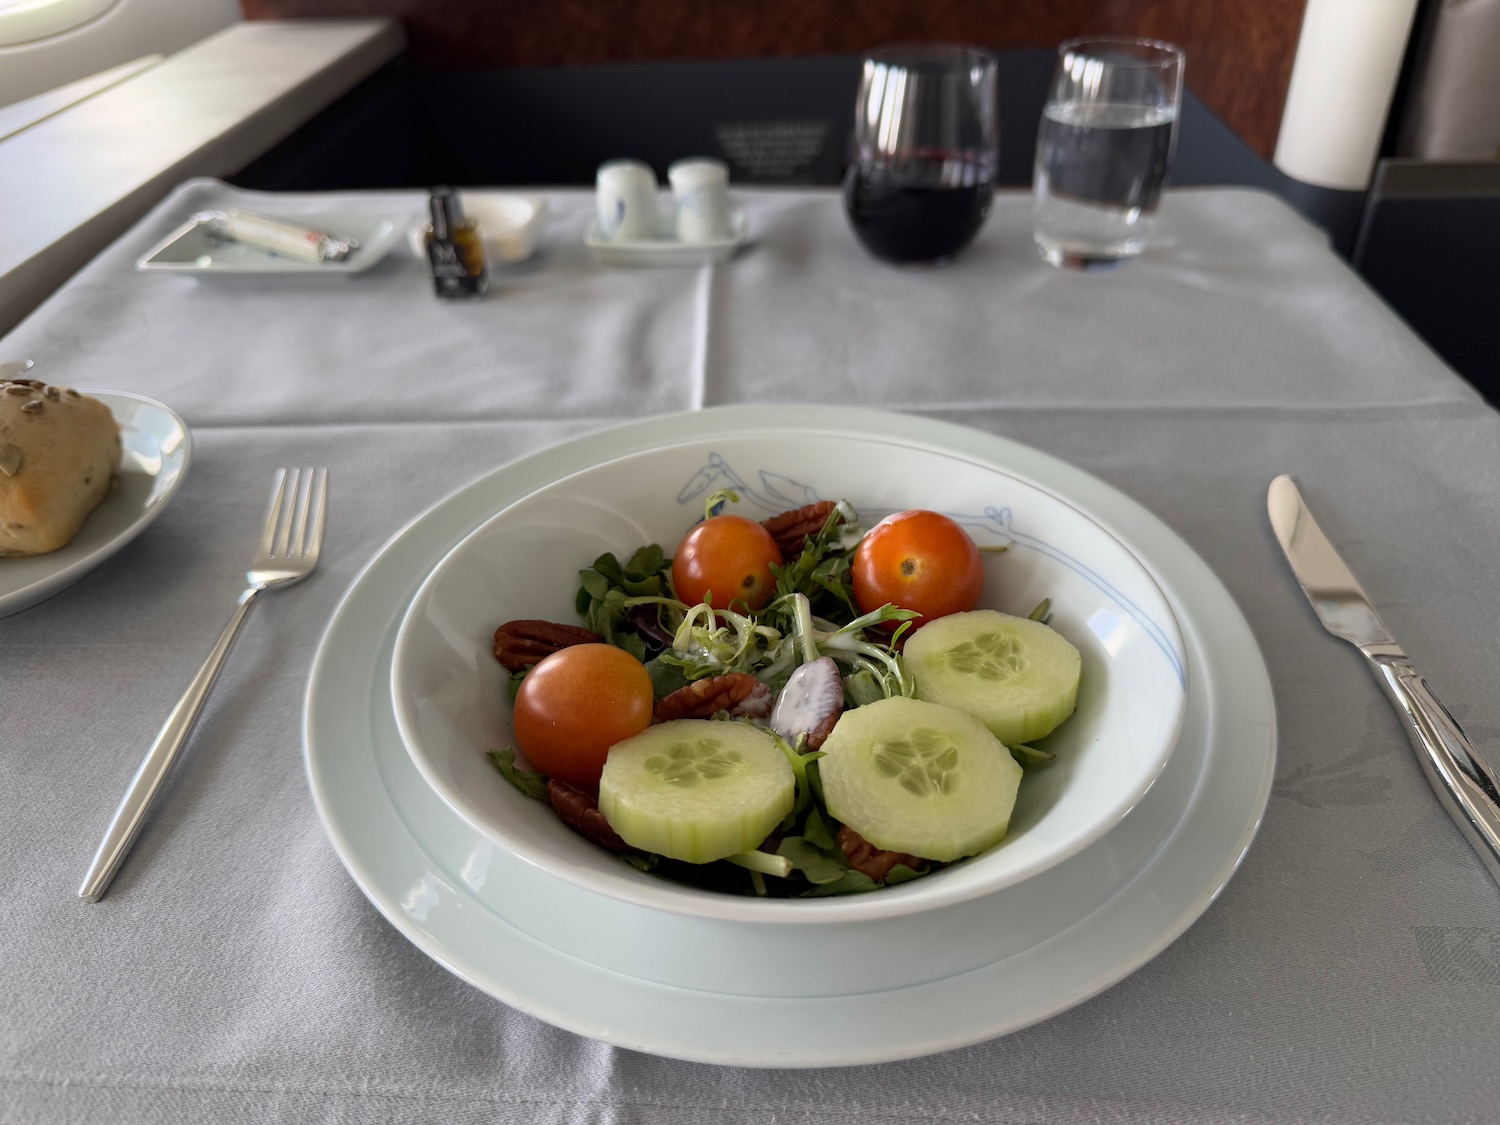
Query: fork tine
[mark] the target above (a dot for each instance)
(304, 500)
(288, 510)
(272, 516)
(315, 546)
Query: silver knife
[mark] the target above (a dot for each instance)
(1462, 779)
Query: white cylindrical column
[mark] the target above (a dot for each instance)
(1348, 59)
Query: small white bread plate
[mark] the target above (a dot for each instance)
(192, 249)
(156, 447)
(450, 699)
(510, 225)
(668, 251)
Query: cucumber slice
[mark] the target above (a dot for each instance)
(919, 778)
(1017, 677)
(696, 789)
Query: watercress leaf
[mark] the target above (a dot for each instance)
(850, 883)
(863, 687)
(593, 617)
(594, 583)
(900, 874)
(642, 587)
(608, 566)
(633, 644)
(818, 832)
(534, 785)
(840, 590)
(832, 569)
(608, 613)
(666, 676)
(513, 683)
(1030, 757)
(646, 560)
(815, 864)
(815, 783)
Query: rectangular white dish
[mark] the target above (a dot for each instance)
(669, 251)
(192, 248)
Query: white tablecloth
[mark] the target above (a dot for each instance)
(1348, 972)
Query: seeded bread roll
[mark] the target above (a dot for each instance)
(59, 451)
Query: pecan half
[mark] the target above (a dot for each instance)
(578, 809)
(739, 693)
(791, 529)
(520, 644)
(874, 862)
(810, 703)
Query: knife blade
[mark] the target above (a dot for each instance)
(1466, 784)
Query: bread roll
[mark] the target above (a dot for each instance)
(59, 451)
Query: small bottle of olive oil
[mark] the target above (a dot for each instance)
(454, 248)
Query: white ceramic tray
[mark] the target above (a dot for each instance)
(192, 249)
(594, 965)
(668, 251)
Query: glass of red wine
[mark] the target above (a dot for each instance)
(926, 146)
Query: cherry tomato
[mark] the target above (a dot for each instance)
(577, 703)
(729, 557)
(918, 560)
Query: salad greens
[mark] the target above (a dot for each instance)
(632, 605)
(813, 613)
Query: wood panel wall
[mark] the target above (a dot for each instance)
(1239, 51)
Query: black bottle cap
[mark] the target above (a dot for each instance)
(446, 214)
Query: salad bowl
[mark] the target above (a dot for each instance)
(449, 694)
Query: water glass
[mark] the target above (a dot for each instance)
(926, 146)
(1104, 149)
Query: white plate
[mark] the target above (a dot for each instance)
(192, 249)
(450, 698)
(154, 458)
(668, 251)
(592, 965)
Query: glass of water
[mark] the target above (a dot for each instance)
(1104, 148)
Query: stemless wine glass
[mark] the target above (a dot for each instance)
(1104, 148)
(926, 145)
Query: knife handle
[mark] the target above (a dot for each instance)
(1462, 779)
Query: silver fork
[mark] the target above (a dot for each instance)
(287, 554)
